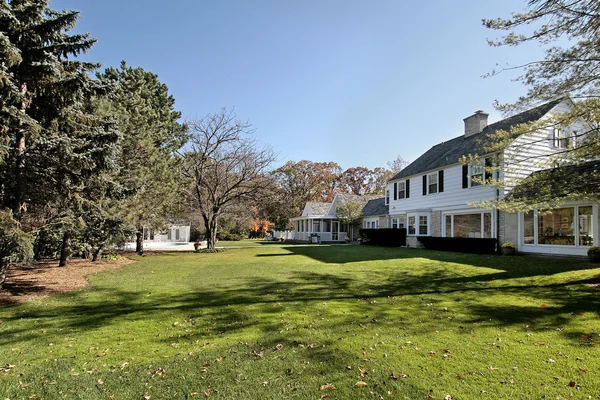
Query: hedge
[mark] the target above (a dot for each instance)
(460, 245)
(387, 237)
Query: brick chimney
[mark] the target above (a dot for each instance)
(475, 123)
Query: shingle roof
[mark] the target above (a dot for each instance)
(557, 183)
(449, 152)
(319, 208)
(375, 207)
(356, 198)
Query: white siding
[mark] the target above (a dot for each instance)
(453, 196)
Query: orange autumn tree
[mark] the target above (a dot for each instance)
(259, 227)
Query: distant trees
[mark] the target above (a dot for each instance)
(224, 165)
(570, 69)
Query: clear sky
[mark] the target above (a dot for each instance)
(355, 82)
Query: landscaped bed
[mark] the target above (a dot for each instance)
(312, 322)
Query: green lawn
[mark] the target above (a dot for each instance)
(337, 322)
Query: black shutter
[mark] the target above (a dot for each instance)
(441, 181)
(395, 190)
(488, 164)
(465, 176)
(407, 188)
(424, 185)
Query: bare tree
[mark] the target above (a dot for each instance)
(397, 165)
(225, 166)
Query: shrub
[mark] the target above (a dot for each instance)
(508, 245)
(387, 237)
(594, 250)
(460, 245)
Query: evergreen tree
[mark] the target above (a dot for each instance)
(148, 173)
(51, 143)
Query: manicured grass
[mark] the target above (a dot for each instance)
(280, 322)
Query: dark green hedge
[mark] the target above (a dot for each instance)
(386, 237)
(460, 245)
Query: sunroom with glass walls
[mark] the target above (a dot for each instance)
(570, 229)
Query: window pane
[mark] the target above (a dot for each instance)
(433, 183)
(316, 226)
(586, 226)
(402, 221)
(529, 235)
(556, 227)
(448, 226)
(394, 223)
(412, 225)
(467, 225)
(487, 225)
(423, 225)
(401, 190)
(327, 226)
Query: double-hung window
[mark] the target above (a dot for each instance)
(402, 221)
(560, 139)
(401, 190)
(387, 197)
(412, 225)
(394, 223)
(432, 180)
(476, 173)
(423, 225)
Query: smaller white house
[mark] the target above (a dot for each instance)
(173, 233)
(320, 219)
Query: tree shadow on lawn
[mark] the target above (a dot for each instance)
(298, 289)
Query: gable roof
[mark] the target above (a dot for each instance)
(449, 152)
(375, 207)
(318, 208)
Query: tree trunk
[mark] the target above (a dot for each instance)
(20, 206)
(97, 253)
(211, 233)
(139, 241)
(3, 270)
(65, 249)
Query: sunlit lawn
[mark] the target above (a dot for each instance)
(345, 322)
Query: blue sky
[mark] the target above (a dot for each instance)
(355, 82)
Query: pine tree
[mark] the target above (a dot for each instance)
(151, 135)
(51, 143)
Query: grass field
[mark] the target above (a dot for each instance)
(336, 322)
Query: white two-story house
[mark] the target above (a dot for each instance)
(436, 195)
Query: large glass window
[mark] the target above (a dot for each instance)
(412, 228)
(586, 228)
(556, 227)
(528, 228)
(467, 225)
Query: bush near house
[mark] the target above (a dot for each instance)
(386, 237)
(460, 245)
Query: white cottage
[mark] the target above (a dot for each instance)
(320, 219)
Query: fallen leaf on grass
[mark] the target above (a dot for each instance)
(327, 386)
(278, 347)
(572, 384)
(100, 382)
(401, 376)
(360, 384)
